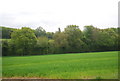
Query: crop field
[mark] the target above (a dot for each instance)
(95, 65)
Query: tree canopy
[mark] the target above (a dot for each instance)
(27, 41)
(24, 39)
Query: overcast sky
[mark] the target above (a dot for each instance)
(51, 14)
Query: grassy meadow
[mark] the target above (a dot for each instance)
(95, 65)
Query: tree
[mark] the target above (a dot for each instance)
(74, 36)
(49, 35)
(100, 39)
(6, 32)
(92, 37)
(52, 46)
(4, 47)
(24, 40)
(108, 39)
(41, 45)
(61, 43)
(40, 32)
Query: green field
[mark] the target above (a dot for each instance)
(95, 65)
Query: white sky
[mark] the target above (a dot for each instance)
(51, 14)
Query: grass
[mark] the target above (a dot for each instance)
(95, 65)
(0, 67)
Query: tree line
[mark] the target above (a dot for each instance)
(27, 41)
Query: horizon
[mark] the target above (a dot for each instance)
(58, 27)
